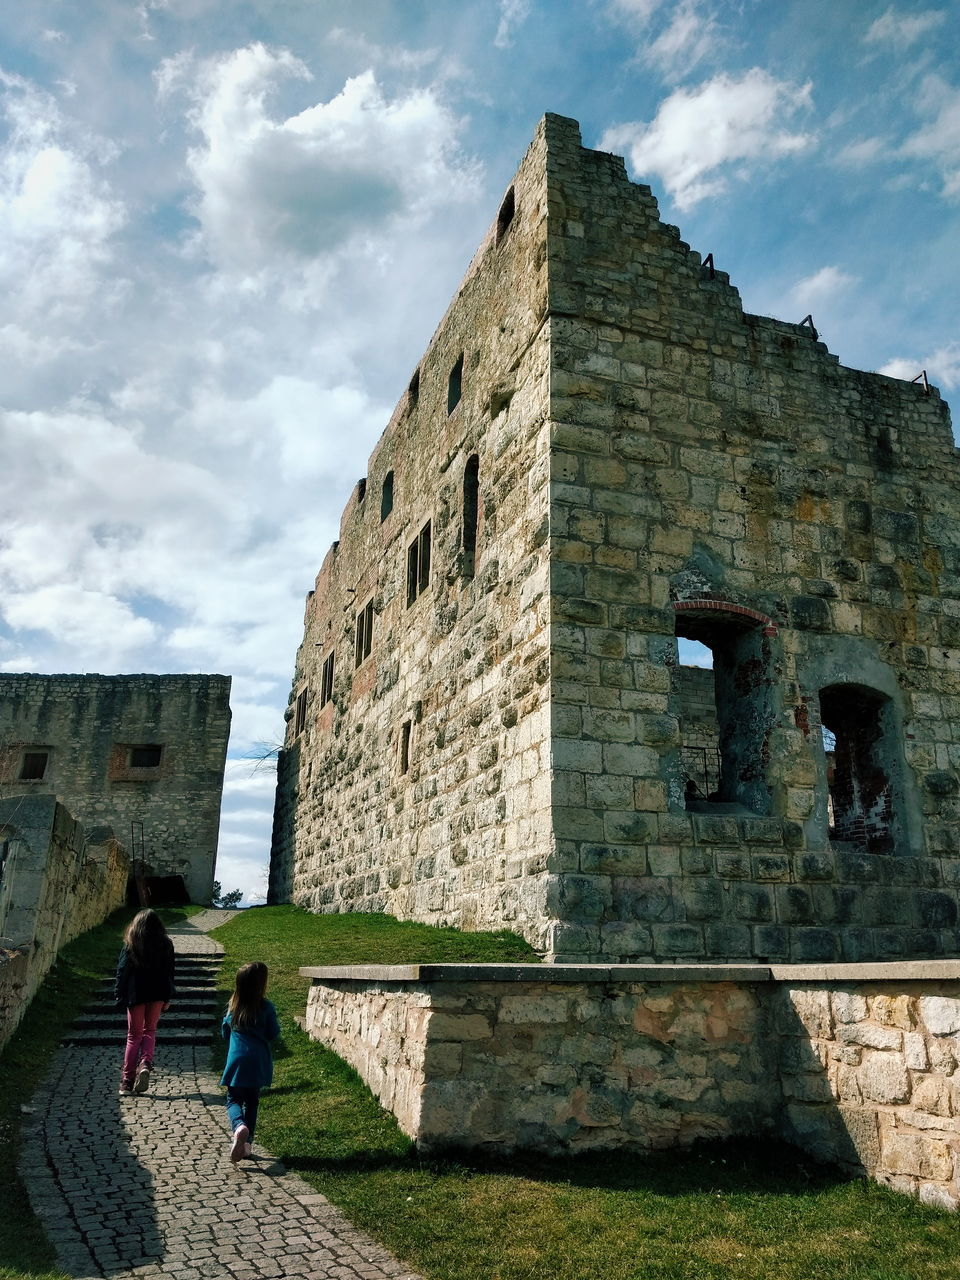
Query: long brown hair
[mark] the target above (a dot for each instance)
(248, 994)
(143, 936)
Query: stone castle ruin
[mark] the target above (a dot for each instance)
(142, 756)
(599, 458)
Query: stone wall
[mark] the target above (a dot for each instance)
(58, 880)
(653, 465)
(79, 735)
(856, 1064)
(869, 1074)
(418, 782)
(718, 476)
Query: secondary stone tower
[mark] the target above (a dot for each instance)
(601, 454)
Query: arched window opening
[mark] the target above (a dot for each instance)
(725, 711)
(413, 390)
(505, 217)
(386, 496)
(361, 490)
(455, 386)
(862, 755)
(471, 493)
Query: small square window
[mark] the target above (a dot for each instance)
(34, 766)
(147, 757)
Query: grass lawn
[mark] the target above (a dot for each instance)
(744, 1211)
(80, 968)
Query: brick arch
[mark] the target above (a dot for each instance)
(733, 611)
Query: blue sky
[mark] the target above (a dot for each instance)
(227, 232)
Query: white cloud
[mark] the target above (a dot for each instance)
(57, 214)
(939, 140)
(101, 627)
(690, 36)
(513, 13)
(290, 192)
(635, 10)
(863, 152)
(821, 288)
(725, 121)
(902, 29)
(942, 366)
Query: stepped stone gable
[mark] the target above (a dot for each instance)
(602, 456)
(117, 750)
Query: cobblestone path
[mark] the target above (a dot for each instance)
(143, 1186)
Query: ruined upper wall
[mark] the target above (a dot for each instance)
(720, 476)
(118, 750)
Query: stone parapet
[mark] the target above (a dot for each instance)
(856, 1064)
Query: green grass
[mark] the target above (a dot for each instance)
(741, 1211)
(81, 966)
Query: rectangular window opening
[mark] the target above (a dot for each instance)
(326, 681)
(34, 766)
(418, 564)
(405, 733)
(364, 639)
(300, 714)
(145, 757)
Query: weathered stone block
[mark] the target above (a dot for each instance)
(884, 1078)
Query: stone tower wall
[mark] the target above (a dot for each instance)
(87, 725)
(653, 463)
(421, 786)
(720, 476)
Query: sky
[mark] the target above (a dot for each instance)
(229, 229)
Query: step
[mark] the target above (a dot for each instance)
(175, 1036)
(172, 1018)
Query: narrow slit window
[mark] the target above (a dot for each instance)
(418, 564)
(361, 490)
(413, 390)
(34, 766)
(405, 734)
(471, 490)
(386, 496)
(455, 386)
(326, 681)
(146, 757)
(505, 216)
(364, 638)
(300, 714)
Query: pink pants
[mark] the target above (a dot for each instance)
(142, 1022)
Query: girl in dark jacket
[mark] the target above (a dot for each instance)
(144, 986)
(250, 1026)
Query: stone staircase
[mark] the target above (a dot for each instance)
(191, 1019)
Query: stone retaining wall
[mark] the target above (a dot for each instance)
(856, 1064)
(58, 880)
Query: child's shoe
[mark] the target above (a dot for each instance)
(142, 1082)
(241, 1136)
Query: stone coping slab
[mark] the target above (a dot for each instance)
(885, 971)
(550, 974)
(541, 974)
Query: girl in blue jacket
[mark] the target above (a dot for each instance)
(250, 1026)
